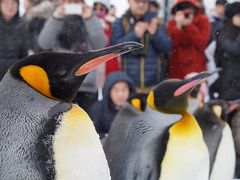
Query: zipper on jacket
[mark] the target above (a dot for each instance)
(144, 41)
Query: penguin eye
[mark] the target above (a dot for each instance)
(61, 73)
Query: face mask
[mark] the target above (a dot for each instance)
(101, 14)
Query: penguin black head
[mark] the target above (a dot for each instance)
(59, 75)
(171, 96)
(218, 108)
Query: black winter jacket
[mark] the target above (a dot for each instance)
(228, 58)
(13, 43)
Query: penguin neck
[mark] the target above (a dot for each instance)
(187, 125)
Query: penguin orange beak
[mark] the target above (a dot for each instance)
(189, 84)
(107, 54)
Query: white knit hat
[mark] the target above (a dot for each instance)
(106, 3)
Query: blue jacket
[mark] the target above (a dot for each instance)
(142, 66)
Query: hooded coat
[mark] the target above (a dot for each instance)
(103, 112)
(187, 54)
(227, 56)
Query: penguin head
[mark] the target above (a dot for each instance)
(171, 96)
(139, 102)
(219, 108)
(59, 75)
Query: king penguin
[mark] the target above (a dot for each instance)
(165, 141)
(186, 155)
(44, 136)
(219, 139)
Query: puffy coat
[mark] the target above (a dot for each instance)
(142, 66)
(187, 54)
(228, 58)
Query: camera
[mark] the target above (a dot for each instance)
(73, 8)
(187, 15)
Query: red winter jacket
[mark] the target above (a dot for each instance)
(114, 64)
(187, 54)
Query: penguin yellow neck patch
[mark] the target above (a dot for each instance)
(150, 100)
(37, 78)
(136, 103)
(186, 155)
(186, 127)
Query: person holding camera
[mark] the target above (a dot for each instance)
(74, 27)
(190, 31)
(140, 25)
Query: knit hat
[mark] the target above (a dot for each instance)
(106, 3)
(232, 9)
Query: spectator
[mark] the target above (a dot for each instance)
(228, 54)
(154, 6)
(217, 22)
(13, 35)
(101, 8)
(218, 18)
(140, 25)
(117, 89)
(111, 16)
(75, 33)
(36, 14)
(28, 4)
(190, 31)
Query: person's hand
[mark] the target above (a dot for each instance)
(153, 26)
(59, 12)
(140, 29)
(87, 11)
(179, 19)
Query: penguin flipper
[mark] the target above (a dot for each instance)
(148, 171)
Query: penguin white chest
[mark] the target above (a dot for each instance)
(186, 154)
(77, 149)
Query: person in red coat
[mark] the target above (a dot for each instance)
(190, 31)
(103, 9)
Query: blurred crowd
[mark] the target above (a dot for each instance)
(185, 44)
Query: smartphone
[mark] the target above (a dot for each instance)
(73, 8)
